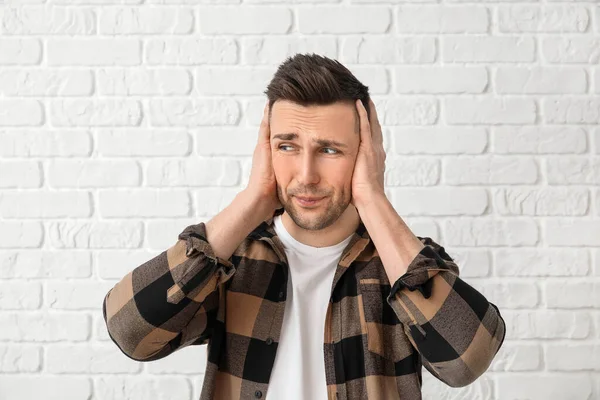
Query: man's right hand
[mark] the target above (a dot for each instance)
(262, 184)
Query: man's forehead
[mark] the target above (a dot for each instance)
(339, 114)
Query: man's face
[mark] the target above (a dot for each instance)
(307, 168)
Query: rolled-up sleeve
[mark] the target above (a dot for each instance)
(456, 330)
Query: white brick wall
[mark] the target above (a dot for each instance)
(123, 121)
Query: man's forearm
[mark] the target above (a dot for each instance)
(396, 244)
(228, 229)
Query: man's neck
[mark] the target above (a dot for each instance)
(346, 224)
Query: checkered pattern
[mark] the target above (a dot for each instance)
(377, 336)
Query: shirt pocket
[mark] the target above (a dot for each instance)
(385, 334)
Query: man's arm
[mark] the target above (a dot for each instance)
(170, 301)
(454, 328)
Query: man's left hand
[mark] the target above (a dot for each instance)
(369, 167)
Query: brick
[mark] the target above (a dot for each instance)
(95, 235)
(572, 294)
(234, 141)
(146, 142)
(115, 264)
(534, 18)
(439, 140)
(21, 113)
(545, 201)
(97, 2)
(544, 387)
(572, 232)
(193, 172)
(144, 82)
(47, 387)
(44, 327)
(426, 201)
(539, 140)
(93, 173)
(509, 295)
(88, 112)
(407, 111)
(547, 324)
(573, 357)
(155, 20)
(488, 49)
(89, 359)
(86, 295)
(514, 357)
(571, 110)
(20, 174)
(94, 52)
(244, 20)
(46, 82)
(184, 51)
(160, 232)
(46, 143)
(19, 358)
(317, 20)
(20, 296)
(211, 201)
(274, 49)
(540, 80)
(489, 110)
(447, 79)
(20, 51)
(573, 170)
(473, 263)
(159, 386)
(388, 50)
(194, 112)
(469, 231)
(143, 203)
(47, 21)
(541, 262)
(45, 264)
(225, 81)
(566, 50)
(436, 19)
(402, 171)
(46, 204)
(489, 170)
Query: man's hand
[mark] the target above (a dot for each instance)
(369, 167)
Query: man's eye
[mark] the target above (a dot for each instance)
(328, 148)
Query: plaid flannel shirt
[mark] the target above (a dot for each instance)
(377, 336)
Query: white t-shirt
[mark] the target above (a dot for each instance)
(299, 370)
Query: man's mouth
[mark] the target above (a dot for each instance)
(308, 201)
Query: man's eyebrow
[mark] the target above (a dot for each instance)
(320, 142)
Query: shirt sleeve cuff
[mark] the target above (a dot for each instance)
(424, 266)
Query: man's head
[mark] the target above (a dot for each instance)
(314, 136)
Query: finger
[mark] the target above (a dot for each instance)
(365, 126)
(377, 131)
(264, 130)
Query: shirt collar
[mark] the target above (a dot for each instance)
(266, 231)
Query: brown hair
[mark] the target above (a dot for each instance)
(312, 79)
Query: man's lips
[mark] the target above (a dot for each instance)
(309, 198)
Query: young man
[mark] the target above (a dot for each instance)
(309, 285)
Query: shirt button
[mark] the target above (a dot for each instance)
(269, 341)
(258, 394)
(281, 295)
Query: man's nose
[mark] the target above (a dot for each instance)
(308, 170)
